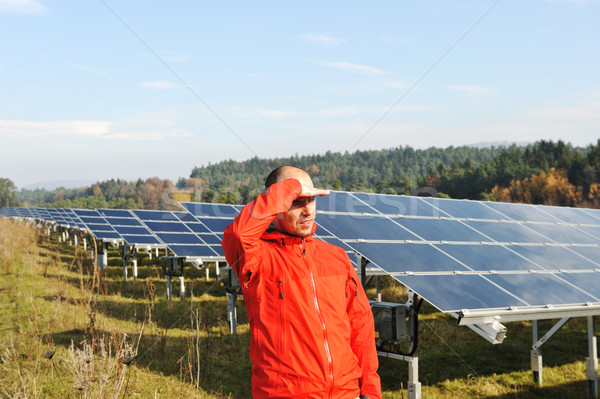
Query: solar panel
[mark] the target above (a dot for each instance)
(469, 258)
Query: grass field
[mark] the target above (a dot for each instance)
(69, 330)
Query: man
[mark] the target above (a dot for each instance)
(312, 333)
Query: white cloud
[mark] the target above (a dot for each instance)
(176, 56)
(323, 40)
(22, 7)
(376, 111)
(94, 70)
(242, 112)
(472, 91)
(153, 126)
(158, 84)
(54, 128)
(355, 68)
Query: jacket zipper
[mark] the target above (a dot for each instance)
(281, 315)
(322, 319)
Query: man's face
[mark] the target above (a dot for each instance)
(299, 220)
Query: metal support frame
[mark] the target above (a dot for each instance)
(536, 353)
(102, 256)
(414, 386)
(232, 312)
(129, 256)
(173, 267)
(592, 360)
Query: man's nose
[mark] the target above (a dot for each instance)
(307, 210)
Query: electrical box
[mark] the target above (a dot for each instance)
(231, 281)
(172, 266)
(391, 324)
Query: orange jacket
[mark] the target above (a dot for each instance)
(312, 333)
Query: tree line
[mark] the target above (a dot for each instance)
(545, 172)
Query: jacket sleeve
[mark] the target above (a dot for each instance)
(363, 337)
(242, 238)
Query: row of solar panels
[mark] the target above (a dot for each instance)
(458, 255)
(196, 233)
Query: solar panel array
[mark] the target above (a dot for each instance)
(184, 234)
(466, 256)
(461, 256)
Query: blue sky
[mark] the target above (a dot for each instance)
(99, 89)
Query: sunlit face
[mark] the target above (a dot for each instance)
(300, 218)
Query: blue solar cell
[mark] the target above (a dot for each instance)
(593, 231)
(407, 257)
(554, 257)
(564, 234)
(342, 202)
(569, 215)
(216, 225)
(175, 238)
(120, 213)
(594, 215)
(106, 235)
(99, 227)
(210, 238)
(588, 282)
(178, 227)
(214, 210)
(197, 227)
(93, 220)
(506, 231)
(453, 293)
(487, 257)
(86, 212)
(363, 227)
(541, 289)
(440, 230)
(399, 205)
(334, 241)
(140, 239)
(185, 217)
(591, 253)
(123, 221)
(520, 212)
(192, 250)
(132, 230)
(155, 215)
(464, 209)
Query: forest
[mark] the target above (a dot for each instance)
(545, 172)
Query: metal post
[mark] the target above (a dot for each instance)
(125, 254)
(207, 274)
(232, 313)
(76, 240)
(135, 271)
(536, 356)
(181, 287)
(592, 360)
(169, 287)
(157, 252)
(414, 386)
(377, 288)
(84, 243)
(217, 269)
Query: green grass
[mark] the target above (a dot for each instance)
(50, 300)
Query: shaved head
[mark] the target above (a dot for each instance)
(288, 172)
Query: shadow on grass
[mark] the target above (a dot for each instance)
(220, 360)
(571, 390)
